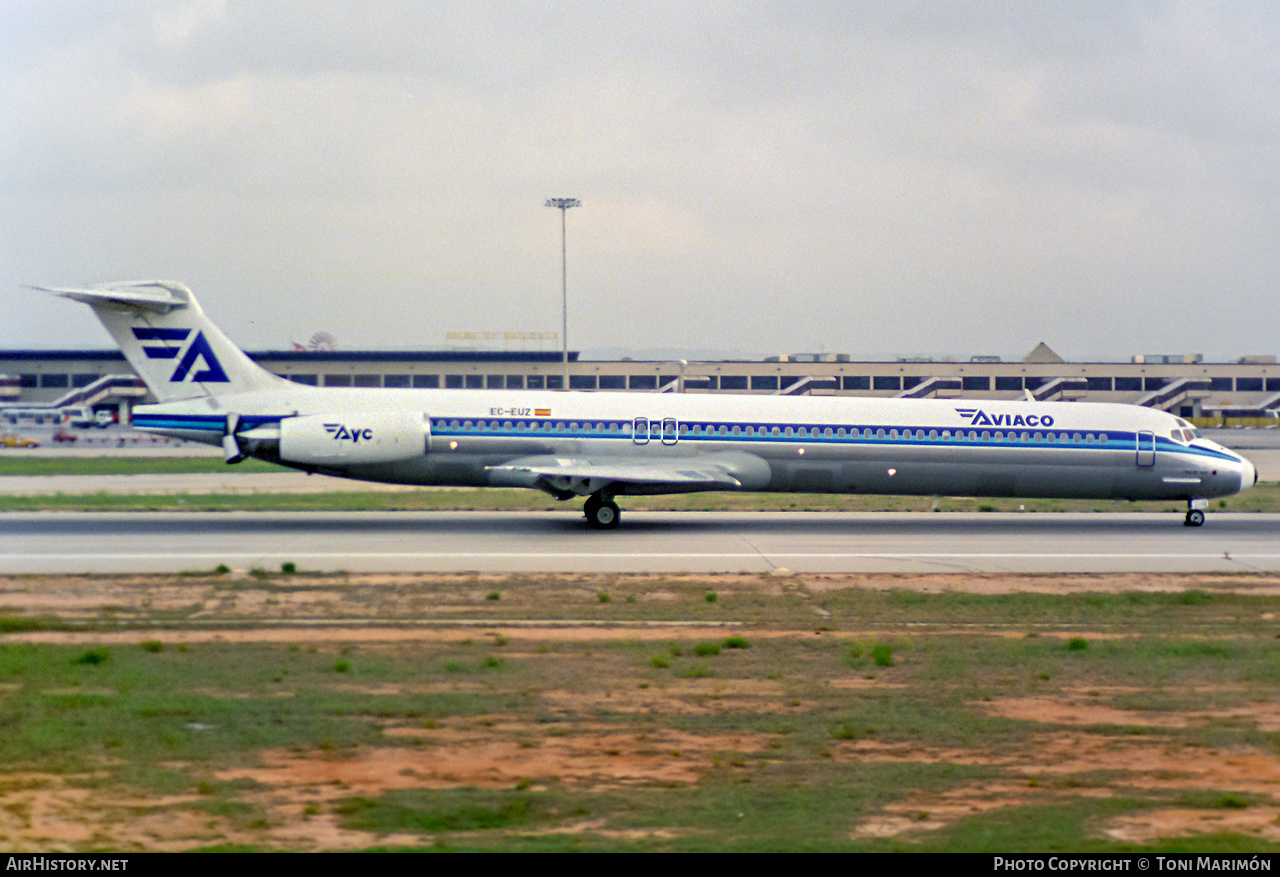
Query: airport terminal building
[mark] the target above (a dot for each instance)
(1245, 391)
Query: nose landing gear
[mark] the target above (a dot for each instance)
(1195, 512)
(602, 512)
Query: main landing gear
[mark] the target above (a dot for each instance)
(602, 512)
(1195, 512)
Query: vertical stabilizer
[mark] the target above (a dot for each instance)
(169, 341)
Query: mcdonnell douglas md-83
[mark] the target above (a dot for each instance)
(604, 445)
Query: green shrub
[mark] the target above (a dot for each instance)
(706, 650)
(882, 654)
(844, 731)
(153, 646)
(1077, 644)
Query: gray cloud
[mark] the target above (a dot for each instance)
(915, 177)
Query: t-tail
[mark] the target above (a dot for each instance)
(170, 342)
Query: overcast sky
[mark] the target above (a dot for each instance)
(944, 178)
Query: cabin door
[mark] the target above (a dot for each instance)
(1146, 449)
(670, 431)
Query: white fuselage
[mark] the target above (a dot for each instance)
(775, 443)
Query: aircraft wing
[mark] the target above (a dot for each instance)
(562, 477)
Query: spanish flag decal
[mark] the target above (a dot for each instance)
(542, 412)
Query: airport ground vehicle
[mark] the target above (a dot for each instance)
(13, 440)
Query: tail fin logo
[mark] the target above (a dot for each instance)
(174, 346)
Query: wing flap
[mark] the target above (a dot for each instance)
(563, 477)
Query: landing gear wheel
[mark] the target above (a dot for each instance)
(1195, 518)
(602, 514)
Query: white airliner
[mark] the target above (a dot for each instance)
(604, 445)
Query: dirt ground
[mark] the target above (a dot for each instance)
(295, 789)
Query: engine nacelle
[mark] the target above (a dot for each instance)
(346, 438)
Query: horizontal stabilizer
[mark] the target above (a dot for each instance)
(153, 295)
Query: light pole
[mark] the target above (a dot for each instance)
(563, 205)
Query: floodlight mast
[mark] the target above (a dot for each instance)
(563, 205)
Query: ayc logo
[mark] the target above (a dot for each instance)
(978, 417)
(173, 343)
(339, 432)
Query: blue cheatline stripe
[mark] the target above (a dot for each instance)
(510, 428)
(200, 422)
